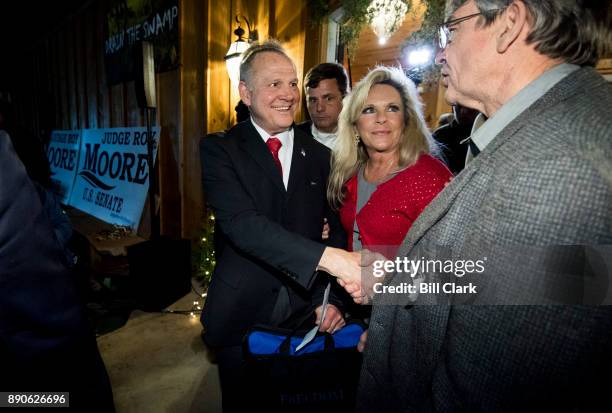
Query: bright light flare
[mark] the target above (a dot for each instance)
(419, 57)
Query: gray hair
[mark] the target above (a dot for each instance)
(575, 31)
(248, 57)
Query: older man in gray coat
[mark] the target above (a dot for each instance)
(540, 178)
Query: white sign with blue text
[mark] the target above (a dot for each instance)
(112, 178)
(63, 155)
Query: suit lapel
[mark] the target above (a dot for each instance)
(299, 161)
(257, 149)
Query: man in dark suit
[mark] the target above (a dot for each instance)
(531, 204)
(325, 85)
(266, 183)
(452, 137)
(45, 341)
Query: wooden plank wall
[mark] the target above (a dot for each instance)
(192, 112)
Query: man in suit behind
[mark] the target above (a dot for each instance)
(452, 137)
(266, 183)
(325, 85)
(540, 178)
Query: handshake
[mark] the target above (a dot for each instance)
(353, 271)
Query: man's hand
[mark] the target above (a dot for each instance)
(356, 291)
(362, 289)
(325, 234)
(342, 264)
(334, 320)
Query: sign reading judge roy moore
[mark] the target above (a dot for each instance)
(112, 179)
(63, 154)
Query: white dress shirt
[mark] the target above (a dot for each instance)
(327, 139)
(285, 153)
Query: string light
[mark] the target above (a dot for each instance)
(205, 260)
(196, 305)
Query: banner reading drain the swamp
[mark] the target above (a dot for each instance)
(112, 178)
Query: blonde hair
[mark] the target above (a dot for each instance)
(348, 157)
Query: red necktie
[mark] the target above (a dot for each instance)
(274, 144)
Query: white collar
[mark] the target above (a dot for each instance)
(327, 139)
(284, 137)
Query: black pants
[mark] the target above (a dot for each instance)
(234, 388)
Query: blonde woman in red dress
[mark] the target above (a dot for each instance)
(384, 172)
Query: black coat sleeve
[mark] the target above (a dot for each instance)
(338, 239)
(45, 341)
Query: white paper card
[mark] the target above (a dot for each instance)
(313, 332)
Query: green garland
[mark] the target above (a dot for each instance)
(353, 21)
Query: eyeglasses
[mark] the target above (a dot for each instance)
(445, 35)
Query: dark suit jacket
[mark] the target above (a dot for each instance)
(305, 127)
(453, 151)
(45, 341)
(544, 181)
(272, 235)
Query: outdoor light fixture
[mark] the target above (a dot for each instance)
(419, 57)
(233, 57)
(385, 17)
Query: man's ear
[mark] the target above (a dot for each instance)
(512, 22)
(245, 93)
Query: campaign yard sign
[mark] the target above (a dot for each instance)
(112, 178)
(63, 155)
